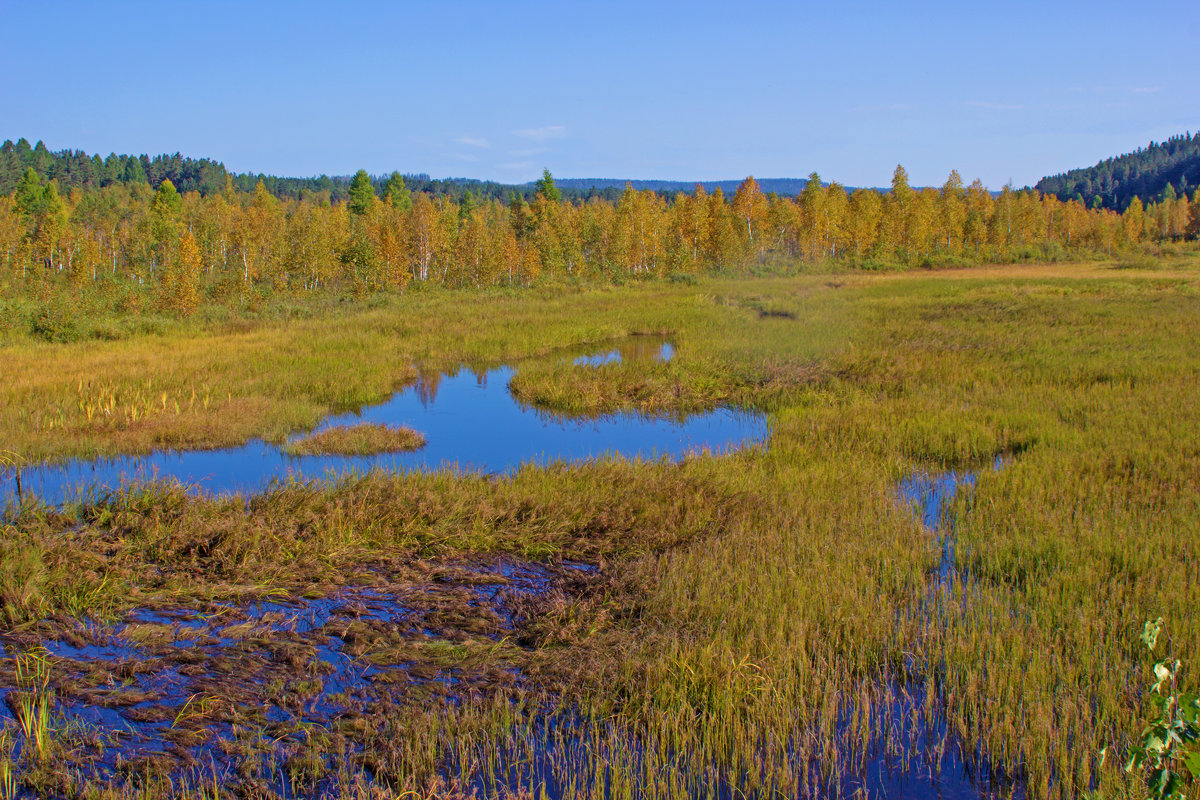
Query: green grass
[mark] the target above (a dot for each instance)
(745, 602)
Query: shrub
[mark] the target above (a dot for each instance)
(55, 322)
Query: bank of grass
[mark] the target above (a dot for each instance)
(761, 618)
(356, 440)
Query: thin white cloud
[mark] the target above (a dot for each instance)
(996, 106)
(527, 152)
(542, 134)
(1117, 89)
(516, 166)
(465, 157)
(474, 141)
(885, 107)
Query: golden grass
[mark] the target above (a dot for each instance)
(760, 619)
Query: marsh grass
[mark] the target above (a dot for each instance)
(34, 700)
(229, 383)
(356, 440)
(765, 623)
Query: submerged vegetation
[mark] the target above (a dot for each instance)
(770, 622)
(356, 440)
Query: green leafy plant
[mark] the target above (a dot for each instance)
(55, 322)
(1166, 751)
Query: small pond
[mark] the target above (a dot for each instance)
(470, 421)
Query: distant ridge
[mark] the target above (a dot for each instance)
(1161, 169)
(75, 168)
(72, 168)
(781, 186)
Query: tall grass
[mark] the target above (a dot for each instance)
(33, 702)
(765, 623)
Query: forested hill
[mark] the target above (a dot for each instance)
(75, 168)
(1162, 170)
(784, 187)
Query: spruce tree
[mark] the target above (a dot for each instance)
(362, 193)
(396, 193)
(547, 189)
(134, 173)
(28, 194)
(466, 205)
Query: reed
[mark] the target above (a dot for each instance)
(364, 439)
(8, 773)
(765, 623)
(34, 701)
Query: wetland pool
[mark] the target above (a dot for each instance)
(470, 420)
(168, 688)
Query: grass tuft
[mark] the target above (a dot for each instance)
(765, 623)
(356, 440)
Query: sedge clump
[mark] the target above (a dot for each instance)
(357, 440)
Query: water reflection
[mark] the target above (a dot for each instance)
(469, 419)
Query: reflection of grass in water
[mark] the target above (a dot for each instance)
(357, 440)
(225, 384)
(753, 611)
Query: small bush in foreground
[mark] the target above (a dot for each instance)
(1166, 749)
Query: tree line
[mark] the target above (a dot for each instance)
(75, 168)
(1162, 171)
(180, 247)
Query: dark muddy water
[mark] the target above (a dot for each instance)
(936, 765)
(170, 688)
(173, 686)
(912, 755)
(470, 421)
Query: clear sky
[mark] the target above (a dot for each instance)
(671, 90)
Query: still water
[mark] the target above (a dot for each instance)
(470, 421)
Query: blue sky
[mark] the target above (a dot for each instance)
(687, 90)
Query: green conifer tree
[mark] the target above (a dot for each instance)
(547, 189)
(133, 172)
(466, 205)
(28, 194)
(362, 193)
(397, 194)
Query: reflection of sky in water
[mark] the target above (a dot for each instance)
(933, 493)
(470, 420)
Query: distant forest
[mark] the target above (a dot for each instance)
(99, 229)
(784, 187)
(75, 168)
(1160, 171)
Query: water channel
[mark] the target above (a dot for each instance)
(470, 421)
(139, 676)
